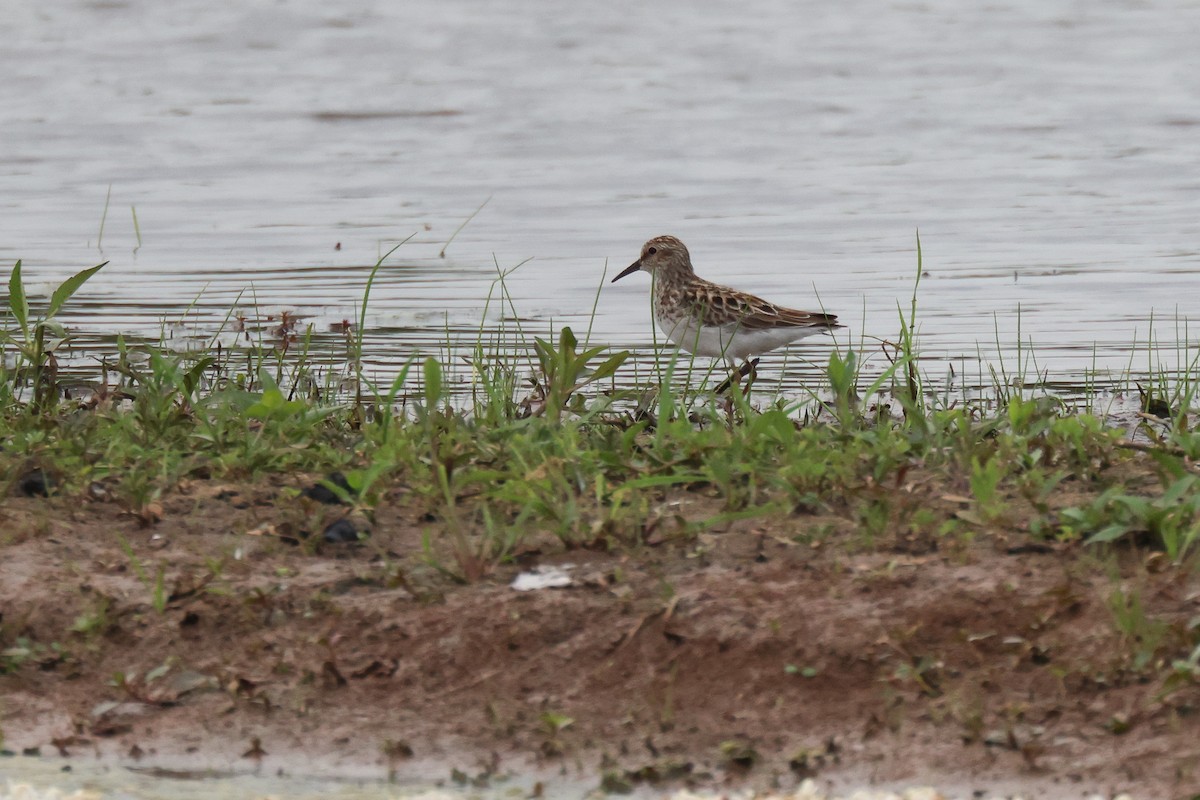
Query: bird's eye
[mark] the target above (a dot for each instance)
(652, 250)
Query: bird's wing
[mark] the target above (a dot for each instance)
(727, 307)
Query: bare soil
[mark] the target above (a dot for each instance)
(757, 653)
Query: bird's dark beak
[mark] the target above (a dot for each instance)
(632, 268)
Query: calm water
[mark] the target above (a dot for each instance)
(1048, 152)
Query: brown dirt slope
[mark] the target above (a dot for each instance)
(736, 655)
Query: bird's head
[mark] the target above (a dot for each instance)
(662, 253)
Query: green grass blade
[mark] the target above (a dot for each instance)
(103, 218)
(136, 228)
(69, 287)
(16, 299)
(458, 230)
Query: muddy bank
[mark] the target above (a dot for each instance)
(756, 654)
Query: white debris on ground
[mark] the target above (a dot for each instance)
(548, 577)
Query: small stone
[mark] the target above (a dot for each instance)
(323, 494)
(36, 483)
(340, 531)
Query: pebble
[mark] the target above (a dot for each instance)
(340, 531)
(36, 483)
(323, 494)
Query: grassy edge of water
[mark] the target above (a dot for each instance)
(578, 461)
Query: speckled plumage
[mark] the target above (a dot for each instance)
(710, 320)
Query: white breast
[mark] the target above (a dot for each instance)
(730, 342)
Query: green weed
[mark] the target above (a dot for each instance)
(1144, 635)
(36, 340)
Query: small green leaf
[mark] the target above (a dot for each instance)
(556, 722)
(267, 381)
(272, 403)
(268, 405)
(545, 356)
(588, 355)
(273, 399)
(68, 287)
(1109, 534)
(567, 340)
(661, 480)
(610, 365)
(1178, 489)
(433, 383)
(16, 299)
(191, 378)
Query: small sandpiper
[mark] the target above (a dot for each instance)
(715, 321)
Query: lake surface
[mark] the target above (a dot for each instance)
(1048, 153)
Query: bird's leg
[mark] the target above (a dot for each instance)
(746, 370)
(750, 370)
(735, 377)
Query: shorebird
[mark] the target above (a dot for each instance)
(715, 321)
